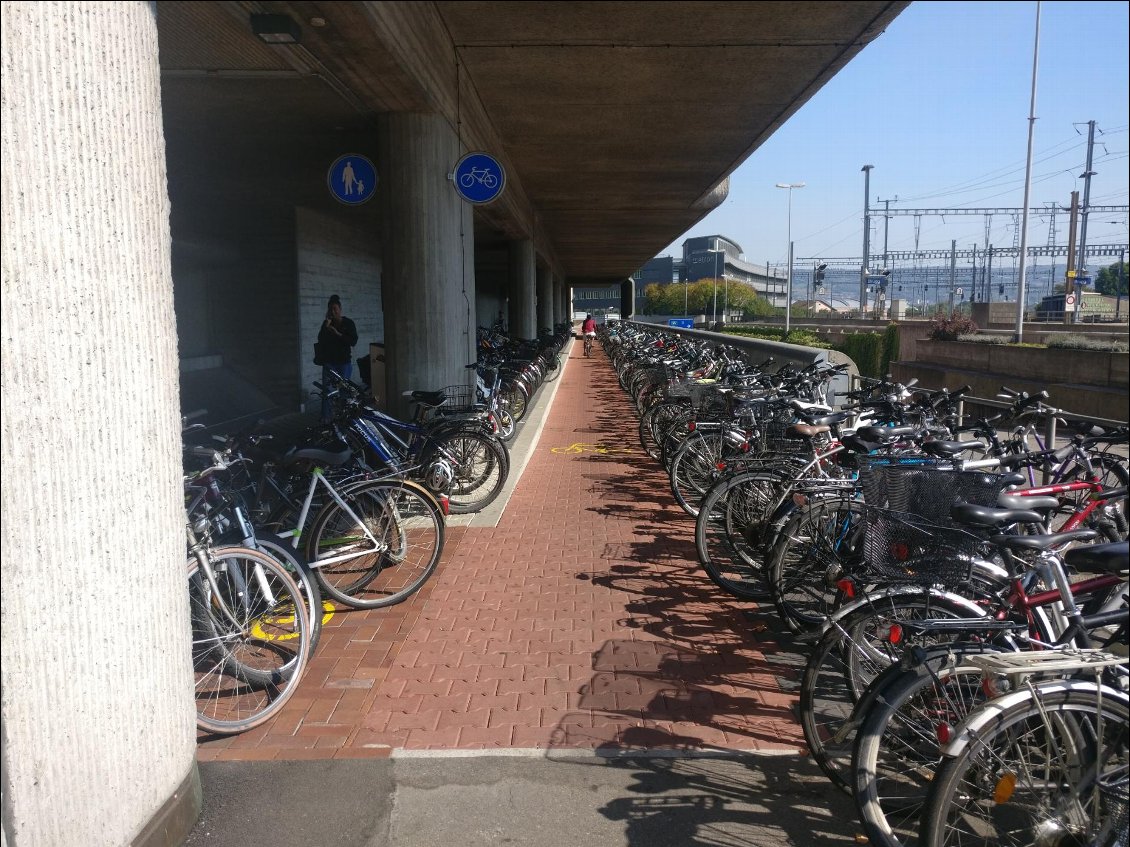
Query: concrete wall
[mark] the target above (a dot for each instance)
(1084, 382)
(97, 695)
(336, 256)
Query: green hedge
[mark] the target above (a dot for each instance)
(872, 352)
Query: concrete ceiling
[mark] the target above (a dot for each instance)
(618, 122)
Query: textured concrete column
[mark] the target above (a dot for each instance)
(99, 739)
(523, 292)
(545, 299)
(558, 300)
(628, 298)
(428, 277)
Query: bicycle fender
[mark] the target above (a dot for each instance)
(991, 712)
(974, 610)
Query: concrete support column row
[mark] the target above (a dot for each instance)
(523, 290)
(428, 278)
(98, 717)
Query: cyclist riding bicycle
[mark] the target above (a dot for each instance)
(588, 330)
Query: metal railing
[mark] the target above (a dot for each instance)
(782, 353)
(1051, 418)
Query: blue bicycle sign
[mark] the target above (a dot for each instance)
(479, 178)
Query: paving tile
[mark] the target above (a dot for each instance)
(582, 620)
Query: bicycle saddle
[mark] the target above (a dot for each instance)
(1009, 500)
(1100, 558)
(948, 449)
(427, 398)
(971, 515)
(885, 434)
(321, 457)
(1042, 542)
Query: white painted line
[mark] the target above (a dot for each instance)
(521, 449)
(587, 753)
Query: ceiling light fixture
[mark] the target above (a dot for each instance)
(276, 29)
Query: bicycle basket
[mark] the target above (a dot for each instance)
(926, 488)
(902, 547)
(460, 398)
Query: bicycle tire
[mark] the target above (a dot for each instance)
(694, 467)
(724, 540)
(408, 527)
(481, 466)
(295, 562)
(1034, 773)
(1110, 520)
(241, 664)
(897, 749)
(817, 547)
(850, 654)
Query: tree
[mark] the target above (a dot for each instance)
(1112, 280)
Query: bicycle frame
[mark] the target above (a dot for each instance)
(318, 478)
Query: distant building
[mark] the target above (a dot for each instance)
(712, 257)
(1093, 307)
(828, 306)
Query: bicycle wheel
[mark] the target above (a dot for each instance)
(818, 546)
(652, 423)
(851, 653)
(1110, 518)
(516, 396)
(727, 535)
(695, 466)
(897, 747)
(480, 466)
(295, 563)
(250, 638)
(380, 550)
(1048, 767)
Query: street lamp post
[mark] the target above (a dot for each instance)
(789, 279)
(716, 252)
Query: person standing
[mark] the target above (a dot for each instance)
(336, 338)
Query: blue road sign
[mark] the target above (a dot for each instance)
(352, 179)
(479, 178)
(681, 323)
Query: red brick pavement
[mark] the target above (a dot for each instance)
(581, 621)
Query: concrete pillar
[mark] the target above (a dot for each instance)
(545, 299)
(558, 300)
(428, 276)
(97, 697)
(523, 290)
(627, 298)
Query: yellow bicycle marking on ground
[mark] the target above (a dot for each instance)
(584, 447)
(279, 624)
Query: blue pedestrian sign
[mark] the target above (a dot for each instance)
(681, 323)
(479, 178)
(352, 179)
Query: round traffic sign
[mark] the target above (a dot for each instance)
(1070, 299)
(479, 178)
(352, 179)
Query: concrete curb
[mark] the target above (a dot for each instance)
(521, 449)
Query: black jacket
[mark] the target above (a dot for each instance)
(338, 349)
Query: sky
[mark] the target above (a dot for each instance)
(939, 105)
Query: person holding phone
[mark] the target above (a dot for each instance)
(337, 337)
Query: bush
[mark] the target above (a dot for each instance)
(952, 328)
(866, 350)
(1088, 342)
(984, 338)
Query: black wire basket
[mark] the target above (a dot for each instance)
(460, 398)
(925, 487)
(904, 547)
